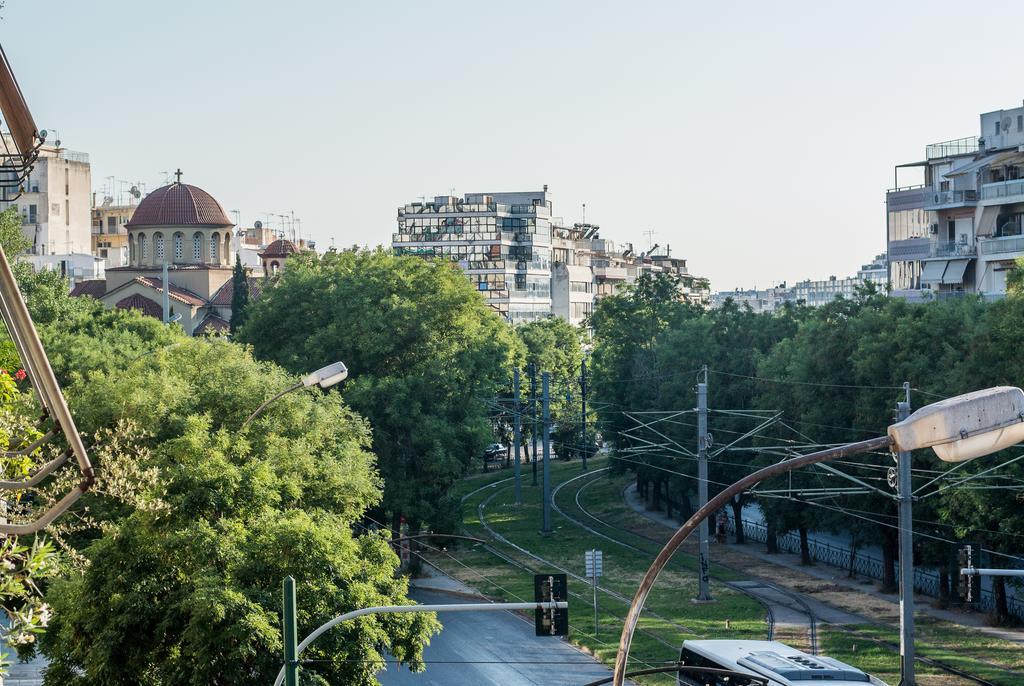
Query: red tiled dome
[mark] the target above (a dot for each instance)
(179, 204)
(282, 247)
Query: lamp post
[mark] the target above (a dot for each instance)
(960, 428)
(324, 378)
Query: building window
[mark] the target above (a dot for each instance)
(144, 248)
(214, 244)
(274, 267)
(32, 214)
(1020, 122)
(997, 127)
(178, 248)
(131, 250)
(158, 242)
(67, 212)
(197, 247)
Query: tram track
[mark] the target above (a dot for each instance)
(799, 604)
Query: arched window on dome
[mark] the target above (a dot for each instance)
(143, 248)
(227, 248)
(214, 247)
(179, 247)
(275, 267)
(158, 247)
(131, 250)
(197, 246)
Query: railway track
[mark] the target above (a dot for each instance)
(797, 603)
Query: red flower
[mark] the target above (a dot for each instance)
(20, 375)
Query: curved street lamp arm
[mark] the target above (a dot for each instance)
(267, 402)
(719, 501)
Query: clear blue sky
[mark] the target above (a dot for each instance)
(755, 138)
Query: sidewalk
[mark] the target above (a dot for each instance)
(825, 584)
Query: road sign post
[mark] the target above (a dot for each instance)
(593, 561)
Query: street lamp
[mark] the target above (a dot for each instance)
(324, 378)
(960, 428)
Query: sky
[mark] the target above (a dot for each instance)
(756, 139)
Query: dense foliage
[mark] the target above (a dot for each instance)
(188, 592)
(424, 353)
(832, 374)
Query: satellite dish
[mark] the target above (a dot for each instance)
(135, 192)
(43, 134)
(258, 224)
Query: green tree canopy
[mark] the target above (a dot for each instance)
(189, 593)
(424, 352)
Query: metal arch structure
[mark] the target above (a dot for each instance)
(673, 544)
(15, 168)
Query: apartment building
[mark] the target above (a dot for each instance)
(960, 230)
(109, 235)
(528, 263)
(502, 241)
(55, 202)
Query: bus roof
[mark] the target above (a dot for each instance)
(779, 662)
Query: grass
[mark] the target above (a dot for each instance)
(733, 615)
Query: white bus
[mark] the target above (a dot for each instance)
(771, 660)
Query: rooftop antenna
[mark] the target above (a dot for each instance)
(283, 233)
(650, 239)
(167, 177)
(584, 213)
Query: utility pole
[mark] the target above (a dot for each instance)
(583, 403)
(533, 410)
(291, 635)
(546, 381)
(167, 295)
(515, 433)
(906, 542)
(703, 592)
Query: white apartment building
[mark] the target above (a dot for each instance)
(527, 263)
(502, 241)
(961, 230)
(55, 205)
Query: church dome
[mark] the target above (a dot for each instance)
(179, 204)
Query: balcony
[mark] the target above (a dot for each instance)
(1003, 189)
(952, 249)
(947, 199)
(1005, 244)
(958, 146)
(610, 273)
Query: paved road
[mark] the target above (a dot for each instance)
(502, 647)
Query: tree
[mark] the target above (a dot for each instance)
(425, 353)
(1015, 278)
(553, 345)
(239, 294)
(189, 593)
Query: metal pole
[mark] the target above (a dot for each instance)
(546, 382)
(533, 410)
(405, 609)
(594, 553)
(906, 542)
(703, 592)
(720, 500)
(515, 434)
(291, 635)
(167, 294)
(583, 412)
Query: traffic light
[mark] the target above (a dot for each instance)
(549, 588)
(970, 586)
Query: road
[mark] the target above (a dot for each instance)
(500, 649)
